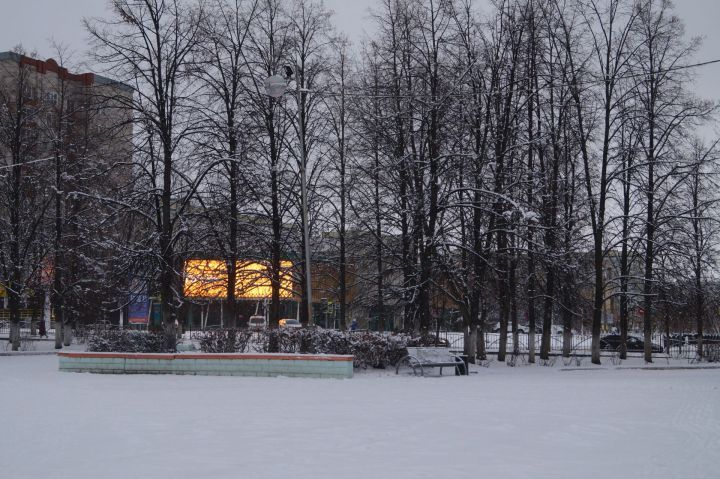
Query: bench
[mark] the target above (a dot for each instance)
(418, 359)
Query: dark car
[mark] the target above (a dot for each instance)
(612, 342)
(522, 328)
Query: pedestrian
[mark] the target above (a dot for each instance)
(42, 330)
(353, 325)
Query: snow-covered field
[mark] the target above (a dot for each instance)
(500, 422)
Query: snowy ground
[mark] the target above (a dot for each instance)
(500, 422)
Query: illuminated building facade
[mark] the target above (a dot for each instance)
(207, 279)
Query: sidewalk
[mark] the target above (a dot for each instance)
(36, 347)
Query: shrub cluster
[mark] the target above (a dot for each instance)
(370, 349)
(127, 342)
(377, 350)
(306, 341)
(226, 341)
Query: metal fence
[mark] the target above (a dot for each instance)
(29, 334)
(676, 346)
(26, 328)
(679, 346)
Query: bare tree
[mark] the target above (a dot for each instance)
(24, 202)
(223, 72)
(268, 51)
(340, 117)
(700, 193)
(149, 45)
(607, 26)
(667, 111)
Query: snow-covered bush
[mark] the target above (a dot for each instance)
(329, 341)
(225, 341)
(377, 350)
(370, 349)
(127, 342)
(287, 340)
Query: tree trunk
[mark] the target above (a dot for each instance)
(378, 242)
(230, 310)
(481, 351)
(67, 334)
(14, 306)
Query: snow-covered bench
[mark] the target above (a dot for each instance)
(418, 359)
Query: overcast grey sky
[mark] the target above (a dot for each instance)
(33, 23)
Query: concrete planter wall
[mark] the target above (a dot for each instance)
(294, 365)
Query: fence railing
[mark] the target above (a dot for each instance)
(27, 327)
(579, 343)
(678, 346)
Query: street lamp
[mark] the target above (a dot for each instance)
(275, 87)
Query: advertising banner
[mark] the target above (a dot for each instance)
(138, 309)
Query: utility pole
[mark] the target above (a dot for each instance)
(304, 201)
(276, 86)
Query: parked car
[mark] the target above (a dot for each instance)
(496, 328)
(290, 323)
(522, 328)
(612, 342)
(558, 330)
(257, 322)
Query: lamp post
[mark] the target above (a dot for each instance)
(275, 87)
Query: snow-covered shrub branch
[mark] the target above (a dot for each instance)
(127, 342)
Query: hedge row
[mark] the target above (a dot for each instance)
(113, 340)
(370, 349)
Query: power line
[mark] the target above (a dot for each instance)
(598, 81)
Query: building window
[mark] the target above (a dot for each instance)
(52, 98)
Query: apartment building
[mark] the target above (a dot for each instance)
(58, 129)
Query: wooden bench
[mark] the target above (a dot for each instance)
(418, 359)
